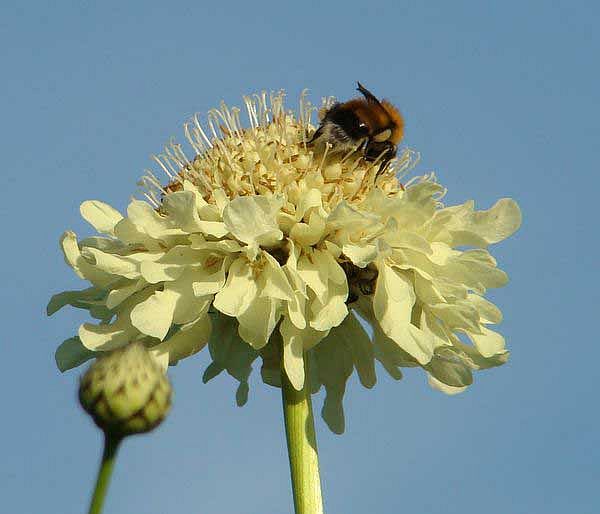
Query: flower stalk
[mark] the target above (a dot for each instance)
(302, 447)
(109, 455)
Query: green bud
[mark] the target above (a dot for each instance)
(125, 392)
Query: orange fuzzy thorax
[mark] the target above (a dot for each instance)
(379, 117)
(397, 121)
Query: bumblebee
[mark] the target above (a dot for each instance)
(367, 124)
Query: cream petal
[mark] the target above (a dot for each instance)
(424, 192)
(199, 242)
(274, 281)
(334, 250)
(489, 343)
(213, 228)
(293, 353)
(221, 200)
(80, 265)
(441, 253)
(188, 306)
(426, 290)
(392, 291)
(360, 255)
(296, 308)
(105, 336)
(335, 273)
(498, 222)
(154, 316)
(107, 245)
(332, 311)
(465, 226)
(208, 283)
(112, 264)
(448, 367)
(309, 200)
(101, 216)
(440, 386)
(309, 234)
(127, 232)
(407, 259)
(430, 325)
(347, 217)
(313, 276)
(155, 272)
(403, 239)
(475, 360)
(188, 340)
(119, 295)
(258, 321)
(252, 219)
(182, 207)
(476, 270)
(150, 222)
(458, 315)
(239, 290)
(392, 305)
(488, 312)
(206, 211)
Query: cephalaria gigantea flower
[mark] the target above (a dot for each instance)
(125, 391)
(262, 246)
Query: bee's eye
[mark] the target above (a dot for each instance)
(382, 136)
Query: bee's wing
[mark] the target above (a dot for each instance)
(316, 135)
(367, 94)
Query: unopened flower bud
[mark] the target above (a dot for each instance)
(126, 392)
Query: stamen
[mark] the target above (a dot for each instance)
(210, 119)
(160, 163)
(191, 140)
(238, 123)
(151, 200)
(153, 180)
(172, 154)
(251, 108)
(201, 132)
(327, 147)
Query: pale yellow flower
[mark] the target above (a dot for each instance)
(261, 235)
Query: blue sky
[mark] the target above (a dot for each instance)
(501, 100)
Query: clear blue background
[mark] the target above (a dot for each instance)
(501, 100)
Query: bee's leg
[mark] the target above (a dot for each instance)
(375, 150)
(383, 150)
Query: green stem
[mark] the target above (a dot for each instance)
(302, 447)
(111, 446)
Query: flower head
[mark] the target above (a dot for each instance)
(126, 392)
(260, 233)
